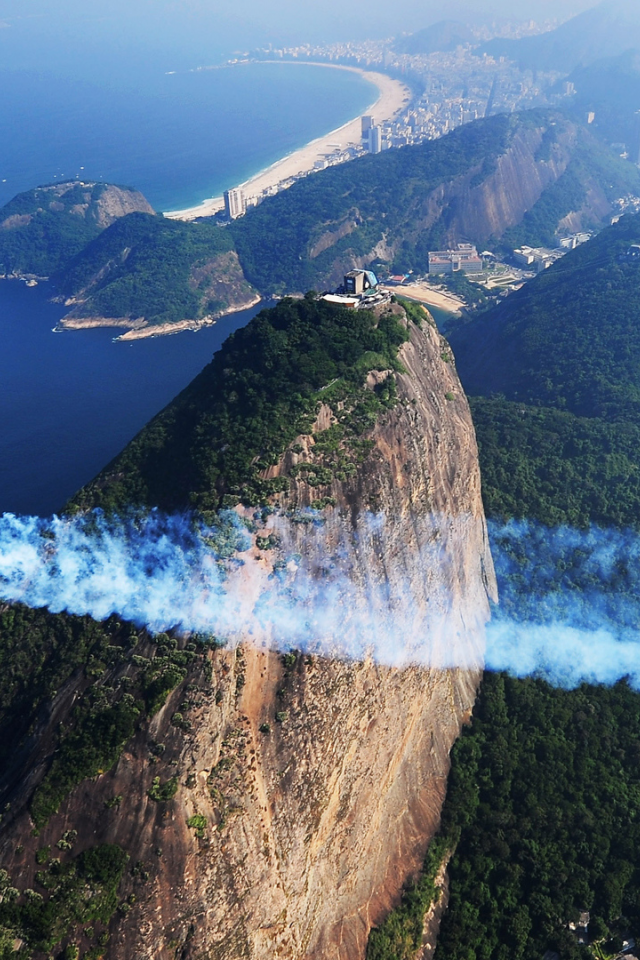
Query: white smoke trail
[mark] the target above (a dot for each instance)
(397, 591)
(569, 604)
(323, 587)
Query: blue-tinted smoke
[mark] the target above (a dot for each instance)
(569, 604)
(569, 600)
(243, 579)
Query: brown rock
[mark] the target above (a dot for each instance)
(321, 779)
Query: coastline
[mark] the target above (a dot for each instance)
(422, 293)
(393, 97)
(141, 330)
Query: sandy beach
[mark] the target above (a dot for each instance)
(426, 294)
(393, 97)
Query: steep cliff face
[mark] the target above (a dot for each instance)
(520, 178)
(308, 786)
(475, 184)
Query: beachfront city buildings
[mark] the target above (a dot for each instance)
(450, 87)
(374, 140)
(235, 204)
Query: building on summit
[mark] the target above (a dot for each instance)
(356, 282)
(463, 258)
(358, 291)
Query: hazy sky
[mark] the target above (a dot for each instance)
(48, 32)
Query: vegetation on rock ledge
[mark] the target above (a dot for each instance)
(211, 446)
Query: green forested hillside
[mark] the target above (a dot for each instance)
(300, 238)
(162, 270)
(549, 465)
(376, 196)
(543, 798)
(260, 391)
(41, 230)
(568, 339)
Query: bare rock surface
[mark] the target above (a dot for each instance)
(320, 779)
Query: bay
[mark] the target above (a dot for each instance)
(70, 401)
(178, 137)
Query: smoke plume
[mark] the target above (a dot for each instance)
(569, 600)
(282, 582)
(569, 604)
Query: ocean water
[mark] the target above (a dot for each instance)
(70, 401)
(179, 137)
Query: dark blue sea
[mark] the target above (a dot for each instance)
(178, 137)
(70, 401)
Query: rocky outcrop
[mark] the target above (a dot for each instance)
(478, 206)
(101, 204)
(219, 284)
(42, 230)
(310, 785)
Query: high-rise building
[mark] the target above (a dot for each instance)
(234, 204)
(367, 123)
(374, 141)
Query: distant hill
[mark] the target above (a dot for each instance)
(611, 89)
(439, 37)
(529, 172)
(605, 30)
(555, 372)
(155, 271)
(41, 230)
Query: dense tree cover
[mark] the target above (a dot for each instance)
(379, 195)
(78, 892)
(570, 338)
(143, 266)
(545, 798)
(260, 391)
(551, 466)
(41, 230)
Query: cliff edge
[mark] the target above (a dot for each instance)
(278, 802)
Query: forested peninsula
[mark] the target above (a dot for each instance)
(504, 181)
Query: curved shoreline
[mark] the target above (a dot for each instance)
(393, 96)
